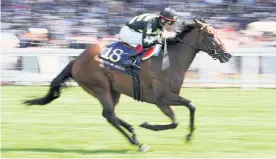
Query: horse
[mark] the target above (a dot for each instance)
(159, 87)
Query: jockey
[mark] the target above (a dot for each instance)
(145, 31)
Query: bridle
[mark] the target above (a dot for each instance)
(211, 51)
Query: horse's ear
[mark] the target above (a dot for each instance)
(202, 20)
(197, 22)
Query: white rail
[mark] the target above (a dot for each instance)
(41, 65)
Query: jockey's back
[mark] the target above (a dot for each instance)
(140, 22)
(148, 28)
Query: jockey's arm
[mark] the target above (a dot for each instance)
(149, 37)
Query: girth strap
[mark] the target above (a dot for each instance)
(137, 88)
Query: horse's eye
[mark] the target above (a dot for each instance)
(211, 35)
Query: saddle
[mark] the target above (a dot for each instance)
(127, 59)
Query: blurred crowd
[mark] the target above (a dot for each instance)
(76, 23)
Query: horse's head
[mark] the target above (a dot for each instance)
(209, 42)
(205, 39)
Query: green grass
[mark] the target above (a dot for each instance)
(229, 123)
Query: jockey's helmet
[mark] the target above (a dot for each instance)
(169, 15)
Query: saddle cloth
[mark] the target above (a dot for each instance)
(119, 55)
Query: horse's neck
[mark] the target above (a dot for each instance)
(181, 57)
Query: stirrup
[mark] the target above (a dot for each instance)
(134, 64)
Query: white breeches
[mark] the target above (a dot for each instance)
(130, 36)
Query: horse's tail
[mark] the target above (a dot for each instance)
(54, 91)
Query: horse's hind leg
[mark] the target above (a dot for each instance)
(116, 96)
(103, 93)
(109, 114)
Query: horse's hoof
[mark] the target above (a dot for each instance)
(144, 124)
(143, 148)
(189, 137)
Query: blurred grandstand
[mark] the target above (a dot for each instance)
(62, 25)
(74, 23)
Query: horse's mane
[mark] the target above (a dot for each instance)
(184, 27)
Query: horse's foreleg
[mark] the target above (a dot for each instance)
(167, 110)
(164, 96)
(176, 100)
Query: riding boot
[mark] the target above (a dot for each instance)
(139, 50)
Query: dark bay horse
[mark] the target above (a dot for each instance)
(159, 87)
